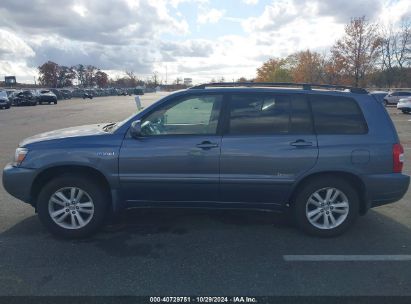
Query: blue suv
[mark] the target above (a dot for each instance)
(323, 154)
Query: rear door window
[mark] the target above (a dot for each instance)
(337, 115)
(269, 114)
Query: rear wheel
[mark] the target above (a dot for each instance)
(8, 107)
(405, 111)
(72, 206)
(326, 206)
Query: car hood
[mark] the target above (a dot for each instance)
(87, 130)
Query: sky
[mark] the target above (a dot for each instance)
(199, 39)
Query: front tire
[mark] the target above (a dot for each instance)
(72, 206)
(326, 206)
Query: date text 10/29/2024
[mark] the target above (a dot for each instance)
(203, 300)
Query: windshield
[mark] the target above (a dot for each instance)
(3, 94)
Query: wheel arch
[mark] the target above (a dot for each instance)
(353, 179)
(52, 172)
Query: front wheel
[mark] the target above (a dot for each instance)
(326, 206)
(72, 206)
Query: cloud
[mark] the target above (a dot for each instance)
(210, 16)
(250, 2)
(192, 48)
(109, 21)
(275, 15)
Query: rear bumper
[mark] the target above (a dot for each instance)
(385, 188)
(18, 181)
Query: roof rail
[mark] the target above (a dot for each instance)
(304, 86)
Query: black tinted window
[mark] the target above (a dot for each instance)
(337, 115)
(269, 114)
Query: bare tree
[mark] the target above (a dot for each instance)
(402, 44)
(358, 50)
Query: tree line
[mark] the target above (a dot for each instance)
(368, 55)
(54, 75)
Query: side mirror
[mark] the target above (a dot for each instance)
(135, 129)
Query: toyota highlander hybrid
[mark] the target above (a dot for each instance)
(322, 154)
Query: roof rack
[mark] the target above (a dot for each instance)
(304, 86)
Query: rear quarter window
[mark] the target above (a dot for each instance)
(337, 115)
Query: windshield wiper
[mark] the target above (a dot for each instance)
(109, 126)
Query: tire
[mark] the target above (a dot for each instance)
(8, 107)
(404, 111)
(93, 219)
(303, 205)
(55, 102)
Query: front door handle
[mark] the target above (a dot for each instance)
(206, 145)
(301, 143)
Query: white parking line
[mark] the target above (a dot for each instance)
(346, 258)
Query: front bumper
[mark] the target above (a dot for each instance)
(18, 181)
(386, 188)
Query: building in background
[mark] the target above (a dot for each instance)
(188, 82)
(9, 81)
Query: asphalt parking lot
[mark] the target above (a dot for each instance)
(185, 252)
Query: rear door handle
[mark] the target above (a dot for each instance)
(207, 145)
(301, 143)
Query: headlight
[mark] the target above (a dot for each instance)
(20, 156)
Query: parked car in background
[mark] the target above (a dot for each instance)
(324, 157)
(66, 94)
(121, 92)
(87, 94)
(138, 91)
(10, 92)
(393, 97)
(24, 98)
(4, 100)
(77, 93)
(379, 95)
(58, 94)
(404, 104)
(46, 96)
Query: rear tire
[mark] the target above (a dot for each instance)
(326, 217)
(80, 218)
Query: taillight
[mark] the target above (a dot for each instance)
(398, 158)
